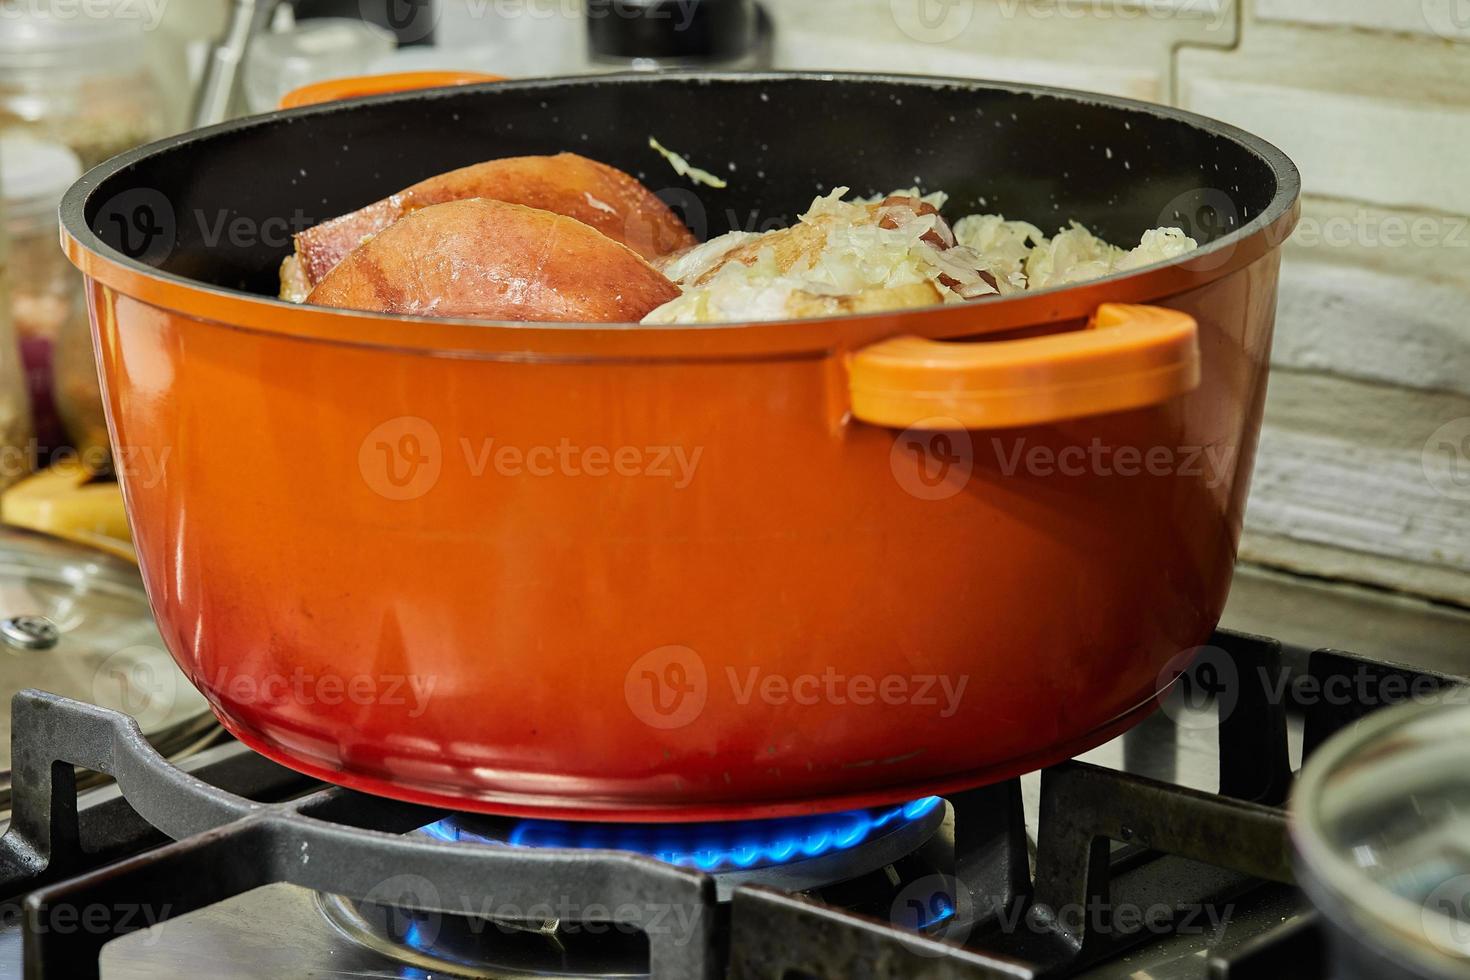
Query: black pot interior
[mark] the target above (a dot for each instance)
(220, 207)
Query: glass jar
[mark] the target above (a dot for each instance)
(310, 51)
(81, 80)
(77, 392)
(46, 304)
(80, 76)
(16, 458)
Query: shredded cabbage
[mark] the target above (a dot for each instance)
(840, 250)
(684, 168)
(1004, 245)
(1157, 245)
(1074, 255)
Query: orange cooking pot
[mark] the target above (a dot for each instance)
(744, 570)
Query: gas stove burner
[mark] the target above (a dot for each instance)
(431, 945)
(794, 853)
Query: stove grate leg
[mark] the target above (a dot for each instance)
(990, 855)
(1255, 758)
(66, 925)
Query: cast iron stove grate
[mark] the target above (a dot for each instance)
(176, 842)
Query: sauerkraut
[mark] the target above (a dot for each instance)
(894, 252)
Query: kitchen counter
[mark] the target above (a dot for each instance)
(1313, 614)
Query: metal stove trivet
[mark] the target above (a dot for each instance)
(1107, 839)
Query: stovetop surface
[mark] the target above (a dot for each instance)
(280, 930)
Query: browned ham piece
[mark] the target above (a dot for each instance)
(483, 259)
(598, 195)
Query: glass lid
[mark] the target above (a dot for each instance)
(1381, 826)
(76, 622)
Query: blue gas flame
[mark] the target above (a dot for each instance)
(712, 847)
(944, 910)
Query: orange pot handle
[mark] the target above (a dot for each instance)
(356, 86)
(1128, 357)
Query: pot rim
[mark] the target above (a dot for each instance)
(254, 312)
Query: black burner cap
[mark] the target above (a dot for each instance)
(671, 30)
